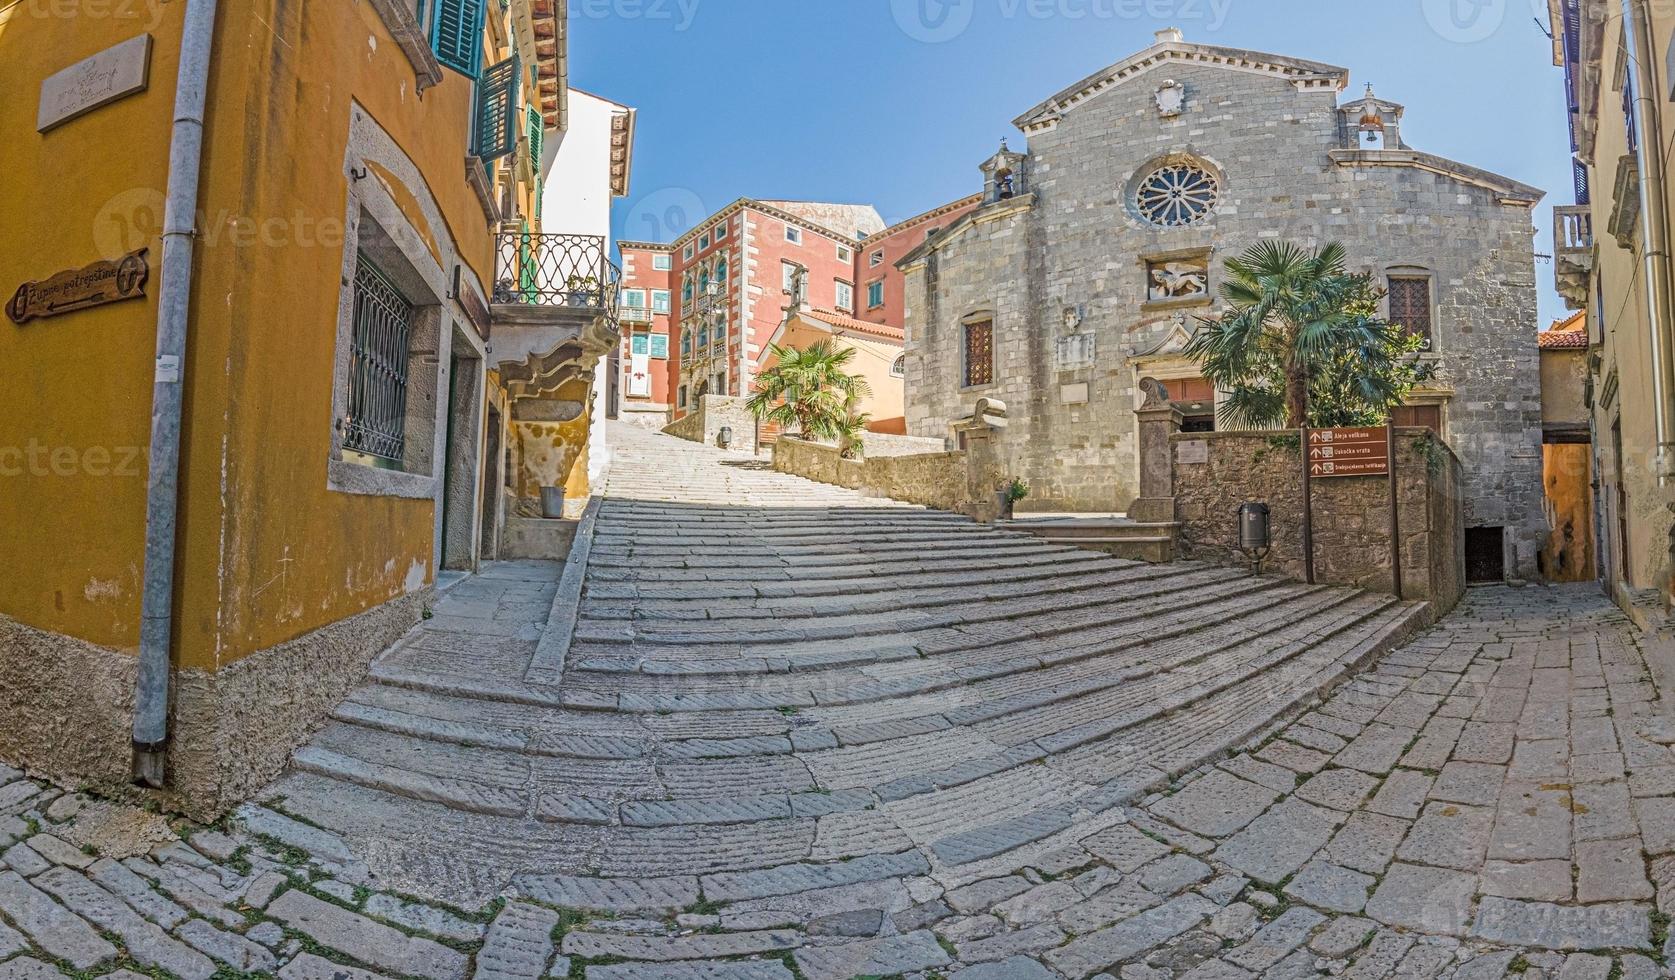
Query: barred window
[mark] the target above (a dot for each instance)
(979, 353)
(380, 341)
(1410, 305)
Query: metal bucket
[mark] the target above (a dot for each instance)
(552, 503)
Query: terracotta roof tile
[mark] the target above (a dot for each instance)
(1564, 340)
(883, 331)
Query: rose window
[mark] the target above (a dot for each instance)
(1177, 195)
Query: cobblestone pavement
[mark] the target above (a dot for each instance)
(831, 779)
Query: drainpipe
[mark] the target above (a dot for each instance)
(151, 695)
(1654, 223)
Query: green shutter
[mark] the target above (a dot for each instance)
(497, 110)
(537, 127)
(456, 35)
(660, 346)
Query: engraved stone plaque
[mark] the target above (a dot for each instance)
(112, 74)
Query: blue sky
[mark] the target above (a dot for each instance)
(895, 102)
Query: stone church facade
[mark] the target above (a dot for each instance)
(1095, 252)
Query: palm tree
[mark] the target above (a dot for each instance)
(1302, 342)
(810, 390)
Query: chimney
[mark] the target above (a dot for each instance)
(1170, 35)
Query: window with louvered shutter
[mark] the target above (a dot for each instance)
(498, 117)
(537, 132)
(979, 353)
(456, 35)
(1410, 305)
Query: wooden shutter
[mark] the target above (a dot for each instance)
(660, 346)
(979, 353)
(1410, 305)
(456, 35)
(498, 118)
(537, 127)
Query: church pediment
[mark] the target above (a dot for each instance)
(1172, 52)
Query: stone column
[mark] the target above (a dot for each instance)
(1156, 503)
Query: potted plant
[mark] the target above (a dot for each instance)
(1009, 495)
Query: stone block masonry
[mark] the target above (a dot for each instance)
(1351, 514)
(931, 479)
(714, 413)
(1061, 270)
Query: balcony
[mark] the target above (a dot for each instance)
(554, 309)
(1573, 253)
(636, 315)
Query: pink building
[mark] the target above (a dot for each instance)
(648, 334)
(729, 281)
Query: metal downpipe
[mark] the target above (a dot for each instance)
(151, 694)
(1654, 222)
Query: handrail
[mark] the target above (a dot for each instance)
(572, 271)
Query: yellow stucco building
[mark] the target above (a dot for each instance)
(1612, 259)
(278, 286)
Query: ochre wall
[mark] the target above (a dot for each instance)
(555, 453)
(1564, 386)
(267, 552)
(1568, 475)
(78, 387)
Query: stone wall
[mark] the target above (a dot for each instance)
(1061, 270)
(876, 444)
(932, 479)
(713, 413)
(1351, 515)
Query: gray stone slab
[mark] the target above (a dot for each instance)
(1377, 749)
(1172, 874)
(1124, 848)
(697, 946)
(1473, 783)
(1402, 795)
(1344, 936)
(792, 878)
(518, 944)
(146, 942)
(1532, 823)
(740, 970)
(1563, 927)
(1274, 941)
(29, 968)
(311, 967)
(1097, 951)
(369, 942)
(1279, 842)
(322, 844)
(997, 839)
(670, 813)
(1216, 805)
(1367, 842)
(1015, 968)
(228, 947)
(1436, 901)
(1339, 789)
(1328, 886)
(611, 894)
(57, 930)
(1611, 871)
(980, 896)
(1542, 881)
(1449, 835)
(137, 892)
(873, 957)
(417, 917)
(25, 860)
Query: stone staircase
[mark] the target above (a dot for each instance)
(775, 685)
(1114, 536)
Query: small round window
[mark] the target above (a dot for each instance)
(1178, 194)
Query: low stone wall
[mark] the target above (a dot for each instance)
(932, 479)
(1351, 515)
(66, 708)
(712, 414)
(876, 444)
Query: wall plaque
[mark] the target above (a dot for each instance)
(1192, 453)
(79, 289)
(112, 74)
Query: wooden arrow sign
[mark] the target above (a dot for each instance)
(79, 289)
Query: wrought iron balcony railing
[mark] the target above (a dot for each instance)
(570, 271)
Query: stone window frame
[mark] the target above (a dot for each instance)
(377, 225)
(1142, 173)
(1434, 281)
(987, 315)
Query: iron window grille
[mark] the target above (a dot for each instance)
(1410, 305)
(979, 353)
(379, 346)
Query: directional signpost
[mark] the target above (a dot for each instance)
(1348, 452)
(1335, 453)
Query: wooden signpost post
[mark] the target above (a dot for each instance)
(1330, 454)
